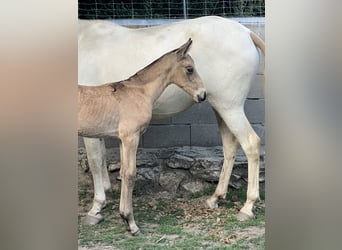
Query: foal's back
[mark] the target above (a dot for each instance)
(108, 110)
(97, 110)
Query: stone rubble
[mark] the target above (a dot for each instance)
(189, 169)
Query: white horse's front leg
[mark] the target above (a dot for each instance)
(128, 175)
(96, 161)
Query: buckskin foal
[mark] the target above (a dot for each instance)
(124, 110)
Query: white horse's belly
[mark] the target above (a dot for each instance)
(171, 102)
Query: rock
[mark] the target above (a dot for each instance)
(207, 169)
(234, 198)
(114, 167)
(84, 165)
(240, 169)
(194, 186)
(82, 159)
(236, 181)
(179, 161)
(147, 158)
(149, 173)
(170, 180)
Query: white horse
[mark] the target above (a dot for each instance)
(226, 57)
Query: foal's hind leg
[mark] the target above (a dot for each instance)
(230, 145)
(95, 158)
(250, 142)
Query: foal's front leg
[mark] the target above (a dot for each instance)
(128, 175)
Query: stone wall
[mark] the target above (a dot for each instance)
(178, 169)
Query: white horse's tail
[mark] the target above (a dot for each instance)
(259, 43)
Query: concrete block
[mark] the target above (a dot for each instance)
(161, 121)
(109, 142)
(261, 66)
(115, 143)
(112, 143)
(260, 130)
(257, 88)
(255, 110)
(197, 114)
(205, 135)
(166, 136)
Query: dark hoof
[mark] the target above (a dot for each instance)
(93, 220)
(136, 233)
(244, 217)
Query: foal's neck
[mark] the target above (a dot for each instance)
(153, 79)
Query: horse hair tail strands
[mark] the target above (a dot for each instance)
(258, 41)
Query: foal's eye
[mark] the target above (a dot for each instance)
(189, 70)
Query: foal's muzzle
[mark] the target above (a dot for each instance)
(201, 96)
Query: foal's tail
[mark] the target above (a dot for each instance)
(259, 43)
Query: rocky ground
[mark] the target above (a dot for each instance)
(172, 185)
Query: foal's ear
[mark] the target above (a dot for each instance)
(182, 50)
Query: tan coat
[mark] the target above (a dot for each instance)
(124, 110)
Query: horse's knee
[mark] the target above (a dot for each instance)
(252, 150)
(128, 177)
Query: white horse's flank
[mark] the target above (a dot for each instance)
(226, 57)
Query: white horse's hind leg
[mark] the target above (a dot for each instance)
(105, 177)
(250, 142)
(230, 145)
(95, 159)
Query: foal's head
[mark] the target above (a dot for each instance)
(184, 74)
